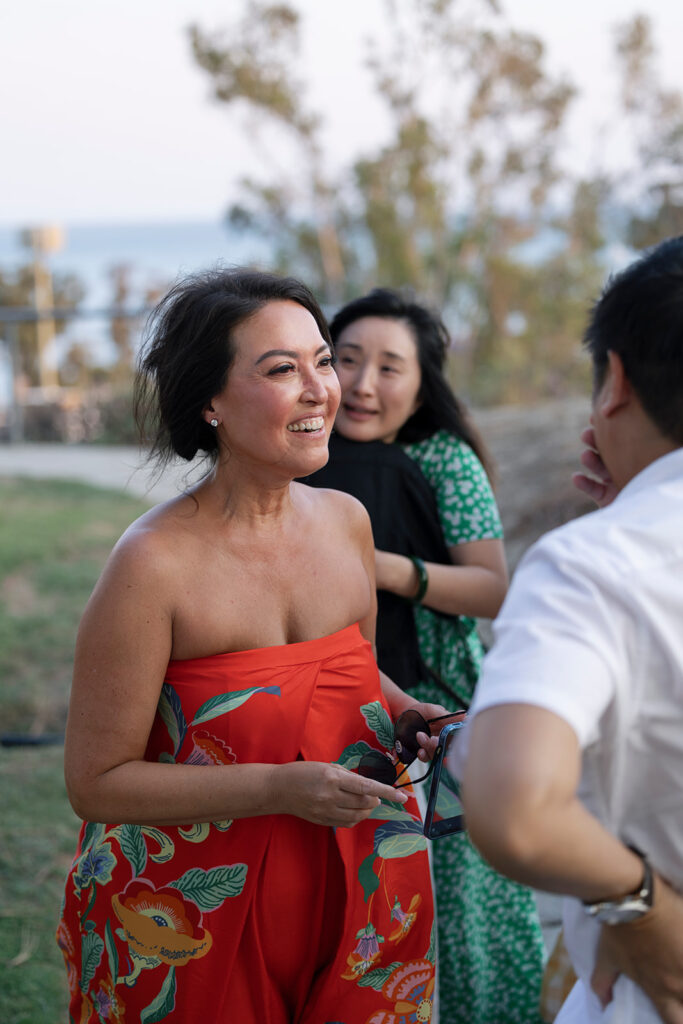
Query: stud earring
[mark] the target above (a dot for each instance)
(214, 422)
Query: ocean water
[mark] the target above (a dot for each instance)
(156, 255)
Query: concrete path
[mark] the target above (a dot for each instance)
(112, 466)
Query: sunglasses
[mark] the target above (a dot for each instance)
(378, 766)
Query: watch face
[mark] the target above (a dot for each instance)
(621, 915)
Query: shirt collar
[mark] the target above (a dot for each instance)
(666, 467)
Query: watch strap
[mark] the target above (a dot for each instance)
(630, 907)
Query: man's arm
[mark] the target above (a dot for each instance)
(519, 793)
(519, 787)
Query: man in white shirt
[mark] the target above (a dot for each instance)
(573, 779)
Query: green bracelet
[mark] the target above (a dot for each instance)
(423, 576)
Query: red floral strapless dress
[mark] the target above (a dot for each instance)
(268, 920)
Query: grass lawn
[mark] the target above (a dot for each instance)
(54, 539)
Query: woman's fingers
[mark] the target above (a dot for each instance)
(358, 797)
(369, 789)
(428, 745)
(328, 794)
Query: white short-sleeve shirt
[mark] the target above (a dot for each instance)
(592, 630)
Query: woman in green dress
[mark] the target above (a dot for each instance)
(391, 353)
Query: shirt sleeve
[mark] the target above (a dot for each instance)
(558, 640)
(464, 497)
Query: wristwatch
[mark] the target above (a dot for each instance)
(628, 908)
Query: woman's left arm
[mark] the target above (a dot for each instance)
(474, 584)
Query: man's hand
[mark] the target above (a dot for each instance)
(650, 952)
(599, 485)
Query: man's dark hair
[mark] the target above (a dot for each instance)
(640, 317)
(188, 352)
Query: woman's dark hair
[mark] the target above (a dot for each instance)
(640, 317)
(188, 351)
(439, 408)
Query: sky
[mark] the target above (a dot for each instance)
(104, 118)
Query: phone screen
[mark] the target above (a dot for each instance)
(444, 811)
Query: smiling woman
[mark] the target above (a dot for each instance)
(294, 387)
(224, 685)
(380, 377)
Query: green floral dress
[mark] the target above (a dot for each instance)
(490, 941)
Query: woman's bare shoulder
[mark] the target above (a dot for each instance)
(150, 550)
(343, 508)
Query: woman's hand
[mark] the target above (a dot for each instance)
(599, 486)
(328, 794)
(429, 743)
(400, 701)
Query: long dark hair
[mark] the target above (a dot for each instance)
(188, 352)
(440, 408)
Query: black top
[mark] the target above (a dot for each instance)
(405, 521)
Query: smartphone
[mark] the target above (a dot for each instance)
(444, 811)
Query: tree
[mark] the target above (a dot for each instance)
(467, 180)
(253, 67)
(467, 177)
(654, 115)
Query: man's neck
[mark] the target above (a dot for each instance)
(641, 444)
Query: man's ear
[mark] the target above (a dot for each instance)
(616, 391)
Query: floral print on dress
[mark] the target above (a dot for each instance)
(160, 926)
(161, 923)
(365, 954)
(106, 1003)
(406, 919)
(409, 987)
(155, 916)
(96, 863)
(208, 749)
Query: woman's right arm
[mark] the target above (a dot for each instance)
(122, 651)
(475, 581)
